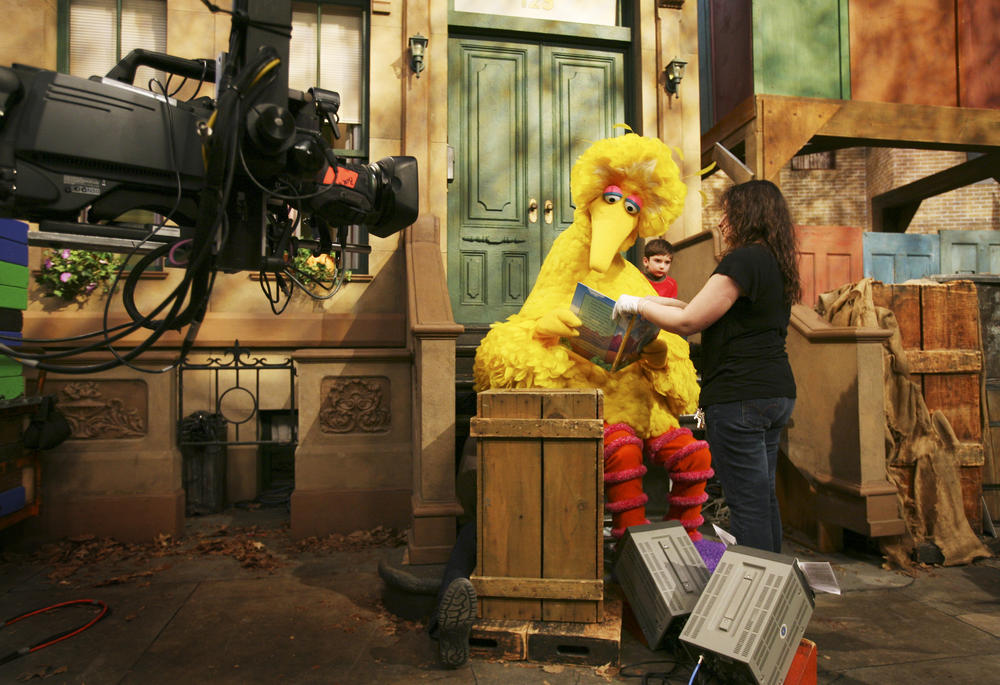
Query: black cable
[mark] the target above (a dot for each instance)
(197, 273)
(282, 288)
(71, 338)
(136, 270)
(269, 26)
(58, 637)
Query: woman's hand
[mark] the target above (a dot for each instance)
(707, 307)
(626, 305)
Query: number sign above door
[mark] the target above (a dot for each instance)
(603, 12)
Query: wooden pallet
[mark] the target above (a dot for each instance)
(592, 644)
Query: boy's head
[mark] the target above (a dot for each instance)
(657, 257)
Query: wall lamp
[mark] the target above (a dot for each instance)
(418, 45)
(674, 73)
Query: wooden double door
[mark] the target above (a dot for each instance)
(519, 114)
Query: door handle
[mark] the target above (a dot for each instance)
(532, 211)
(548, 211)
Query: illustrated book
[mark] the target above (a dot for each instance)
(610, 343)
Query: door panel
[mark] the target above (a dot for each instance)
(493, 246)
(829, 257)
(520, 113)
(898, 257)
(582, 100)
(970, 252)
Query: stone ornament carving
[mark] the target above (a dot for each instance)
(104, 410)
(355, 404)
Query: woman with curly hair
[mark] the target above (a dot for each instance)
(748, 390)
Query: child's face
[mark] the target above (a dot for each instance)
(658, 265)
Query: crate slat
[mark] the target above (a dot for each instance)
(540, 588)
(536, 428)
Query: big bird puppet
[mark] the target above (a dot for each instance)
(622, 187)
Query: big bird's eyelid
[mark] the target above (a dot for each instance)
(613, 194)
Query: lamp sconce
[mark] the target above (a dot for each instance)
(674, 73)
(418, 45)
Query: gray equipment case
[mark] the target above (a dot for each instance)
(751, 616)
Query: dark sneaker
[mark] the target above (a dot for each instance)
(455, 617)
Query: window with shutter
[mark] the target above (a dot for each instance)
(329, 49)
(101, 32)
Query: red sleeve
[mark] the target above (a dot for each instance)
(669, 287)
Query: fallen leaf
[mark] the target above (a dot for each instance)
(42, 673)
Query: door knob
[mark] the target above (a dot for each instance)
(548, 211)
(532, 211)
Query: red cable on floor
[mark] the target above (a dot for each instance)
(58, 637)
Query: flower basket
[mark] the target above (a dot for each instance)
(75, 274)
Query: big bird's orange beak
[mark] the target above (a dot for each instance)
(611, 232)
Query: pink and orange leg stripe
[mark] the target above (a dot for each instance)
(623, 472)
(689, 463)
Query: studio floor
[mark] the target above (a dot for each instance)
(237, 601)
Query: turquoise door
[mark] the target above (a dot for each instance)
(519, 114)
(898, 257)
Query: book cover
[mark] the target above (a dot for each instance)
(610, 343)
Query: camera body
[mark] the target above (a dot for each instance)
(241, 170)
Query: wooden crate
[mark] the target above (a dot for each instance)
(594, 644)
(991, 467)
(939, 325)
(540, 505)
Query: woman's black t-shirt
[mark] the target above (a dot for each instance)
(744, 351)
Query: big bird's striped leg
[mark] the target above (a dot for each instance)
(623, 472)
(689, 464)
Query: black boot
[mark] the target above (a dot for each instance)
(455, 616)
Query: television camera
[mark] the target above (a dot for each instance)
(245, 178)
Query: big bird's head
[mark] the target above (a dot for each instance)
(623, 188)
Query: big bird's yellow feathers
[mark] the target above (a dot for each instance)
(524, 351)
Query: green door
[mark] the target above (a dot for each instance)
(519, 114)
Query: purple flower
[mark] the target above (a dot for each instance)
(65, 276)
(48, 264)
(65, 254)
(90, 287)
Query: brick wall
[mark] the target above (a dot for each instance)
(829, 197)
(842, 196)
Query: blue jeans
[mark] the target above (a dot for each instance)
(743, 437)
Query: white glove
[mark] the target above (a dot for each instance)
(626, 304)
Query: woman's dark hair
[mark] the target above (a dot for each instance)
(757, 213)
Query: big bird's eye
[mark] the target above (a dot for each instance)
(633, 204)
(613, 194)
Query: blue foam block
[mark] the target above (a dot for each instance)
(12, 500)
(12, 229)
(13, 252)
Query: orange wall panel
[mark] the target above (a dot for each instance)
(904, 52)
(979, 53)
